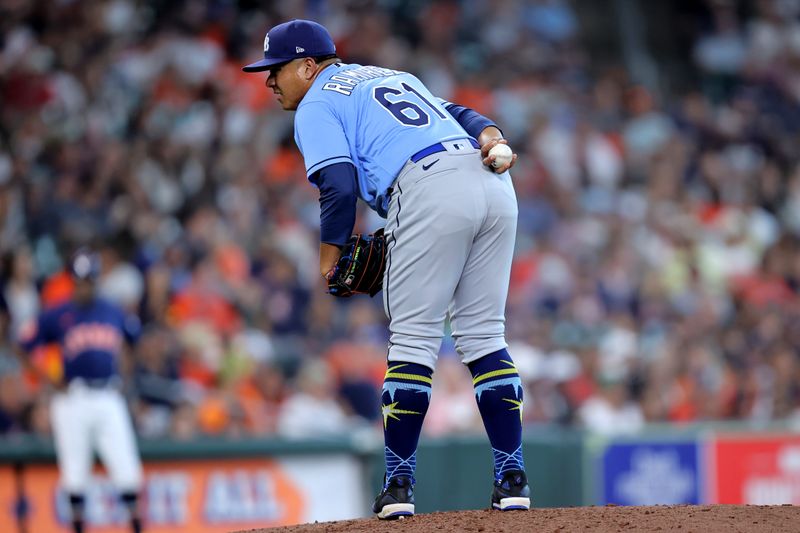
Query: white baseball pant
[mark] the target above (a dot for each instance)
(86, 419)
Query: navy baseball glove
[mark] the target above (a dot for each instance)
(360, 267)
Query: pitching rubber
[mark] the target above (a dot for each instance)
(396, 510)
(513, 504)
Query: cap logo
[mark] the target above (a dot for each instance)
(266, 43)
(299, 49)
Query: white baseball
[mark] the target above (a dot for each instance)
(502, 153)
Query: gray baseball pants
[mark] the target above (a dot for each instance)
(450, 230)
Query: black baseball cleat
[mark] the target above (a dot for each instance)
(512, 492)
(396, 499)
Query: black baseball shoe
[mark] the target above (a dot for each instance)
(512, 492)
(396, 499)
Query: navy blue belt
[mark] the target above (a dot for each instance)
(439, 147)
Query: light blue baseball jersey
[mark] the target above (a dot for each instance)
(372, 117)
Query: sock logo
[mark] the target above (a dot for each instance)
(391, 411)
(517, 407)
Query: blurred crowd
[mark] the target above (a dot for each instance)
(657, 270)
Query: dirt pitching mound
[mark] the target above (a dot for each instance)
(681, 518)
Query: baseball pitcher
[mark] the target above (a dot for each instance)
(88, 412)
(380, 135)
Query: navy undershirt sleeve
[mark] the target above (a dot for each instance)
(337, 200)
(472, 121)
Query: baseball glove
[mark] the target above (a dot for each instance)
(360, 267)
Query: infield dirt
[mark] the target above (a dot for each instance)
(609, 519)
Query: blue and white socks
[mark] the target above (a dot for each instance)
(407, 395)
(498, 390)
(404, 402)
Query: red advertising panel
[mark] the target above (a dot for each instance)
(198, 496)
(748, 469)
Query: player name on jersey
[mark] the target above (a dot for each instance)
(345, 82)
(92, 336)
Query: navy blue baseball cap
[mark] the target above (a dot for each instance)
(292, 40)
(85, 265)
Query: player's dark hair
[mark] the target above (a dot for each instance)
(320, 59)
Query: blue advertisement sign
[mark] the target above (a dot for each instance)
(650, 473)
